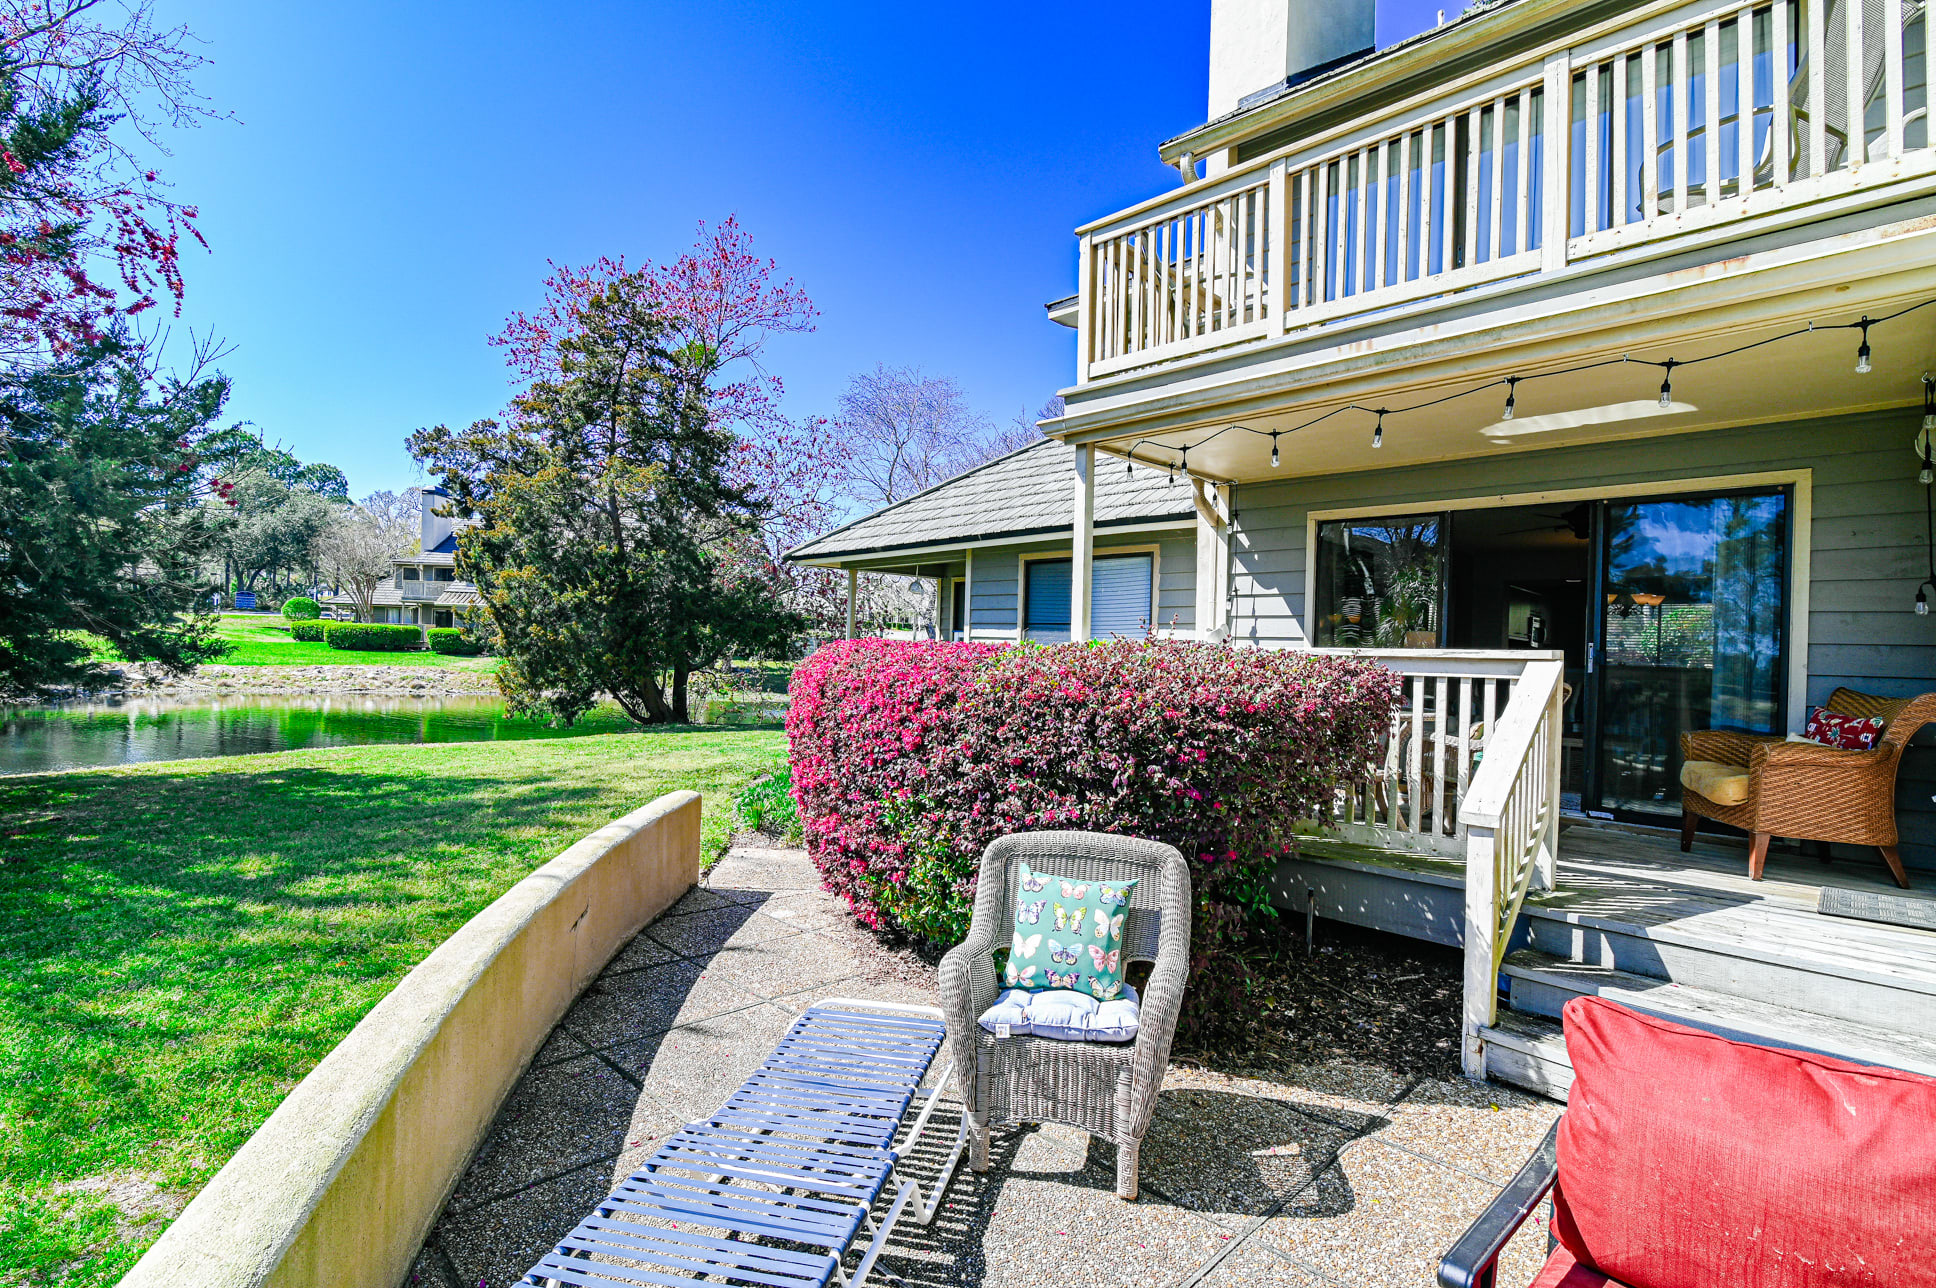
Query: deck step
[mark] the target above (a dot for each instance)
(1528, 1051)
(1541, 984)
(1827, 966)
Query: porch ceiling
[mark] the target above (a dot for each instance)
(1798, 378)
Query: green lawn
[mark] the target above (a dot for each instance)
(181, 942)
(261, 639)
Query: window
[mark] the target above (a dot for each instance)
(1119, 598)
(1381, 582)
(443, 617)
(958, 609)
(410, 574)
(442, 574)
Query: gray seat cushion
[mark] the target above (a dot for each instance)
(1064, 1014)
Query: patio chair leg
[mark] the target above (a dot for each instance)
(1758, 854)
(978, 1142)
(1894, 861)
(1689, 821)
(1126, 1163)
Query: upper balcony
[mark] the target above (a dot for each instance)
(1663, 130)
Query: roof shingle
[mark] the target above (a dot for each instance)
(1027, 492)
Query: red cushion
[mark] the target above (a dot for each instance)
(1851, 733)
(1689, 1161)
(1562, 1270)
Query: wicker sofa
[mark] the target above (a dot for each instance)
(1809, 792)
(1106, 1089)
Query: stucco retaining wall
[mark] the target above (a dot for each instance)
(339, 1187)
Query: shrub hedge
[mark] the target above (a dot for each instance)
(907, 759)
(309, 632)
(372, 636)
(452, 640)
(301, 608)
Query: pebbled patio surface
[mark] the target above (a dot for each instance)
(1318, 1175)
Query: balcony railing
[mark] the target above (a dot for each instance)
(1700, 119)
(422, 590)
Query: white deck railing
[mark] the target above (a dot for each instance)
(1659, 131)
(1469, 768)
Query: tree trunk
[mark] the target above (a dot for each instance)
(679, 715)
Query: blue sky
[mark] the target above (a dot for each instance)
(396, 176)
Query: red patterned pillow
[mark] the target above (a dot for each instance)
(1852, 733)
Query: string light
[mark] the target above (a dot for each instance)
(1864, 355)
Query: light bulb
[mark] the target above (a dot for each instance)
(1378, 434)
(1862, 352)
(1929, 421)
(1928, 474)
(1512, 393)
(1667, 393)
(1273, 451)
(1922, 603)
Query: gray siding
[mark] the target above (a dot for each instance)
(998, 581)
(1866, 537)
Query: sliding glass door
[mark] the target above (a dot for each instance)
(1692, 635)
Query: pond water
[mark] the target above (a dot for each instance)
(83, 735)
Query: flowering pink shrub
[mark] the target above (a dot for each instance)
(909, 758)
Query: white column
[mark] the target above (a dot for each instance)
(967, 593)
(1213, 556)
(1083, 544)
(853, 589)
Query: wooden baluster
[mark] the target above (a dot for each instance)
(1139, 287)
(1405, 155)
(1464, 757)
(1496, 190)
(1367, 227)
(1449, 211)
(1814, 13)
(1744, 112)
(1617, 163)
(1682, 99)
(1650, 133)
(1381, 234)
(1779, 123)
(1892, 81)
(1857, 81)
(1472, 141)
(1711, 109)
(1340, 233)
(1274, 219)
(1590, 181)
(1523, 177)
(1442, 719)
(1414, 759)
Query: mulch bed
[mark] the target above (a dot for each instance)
(1363, 996)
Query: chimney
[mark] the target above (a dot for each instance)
(435, 527)
(1259, 44)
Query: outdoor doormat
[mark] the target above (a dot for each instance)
(1891, 909)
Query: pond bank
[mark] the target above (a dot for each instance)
(400, 681)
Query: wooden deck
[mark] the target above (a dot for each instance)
(1686, 936)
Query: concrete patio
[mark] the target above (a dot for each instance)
(1340, 1174)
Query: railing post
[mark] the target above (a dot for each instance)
(1085, 306)
(1083, 544)
(1546, 867)
(1277, 224)
(1481, 929)
(1556, 168)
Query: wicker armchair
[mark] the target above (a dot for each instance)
(1809, 792)
(1106, 1089)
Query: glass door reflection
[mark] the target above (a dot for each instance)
(1692, 634)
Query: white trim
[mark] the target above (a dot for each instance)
(1801, 518)
(912, 554)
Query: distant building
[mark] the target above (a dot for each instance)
(423, 589)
